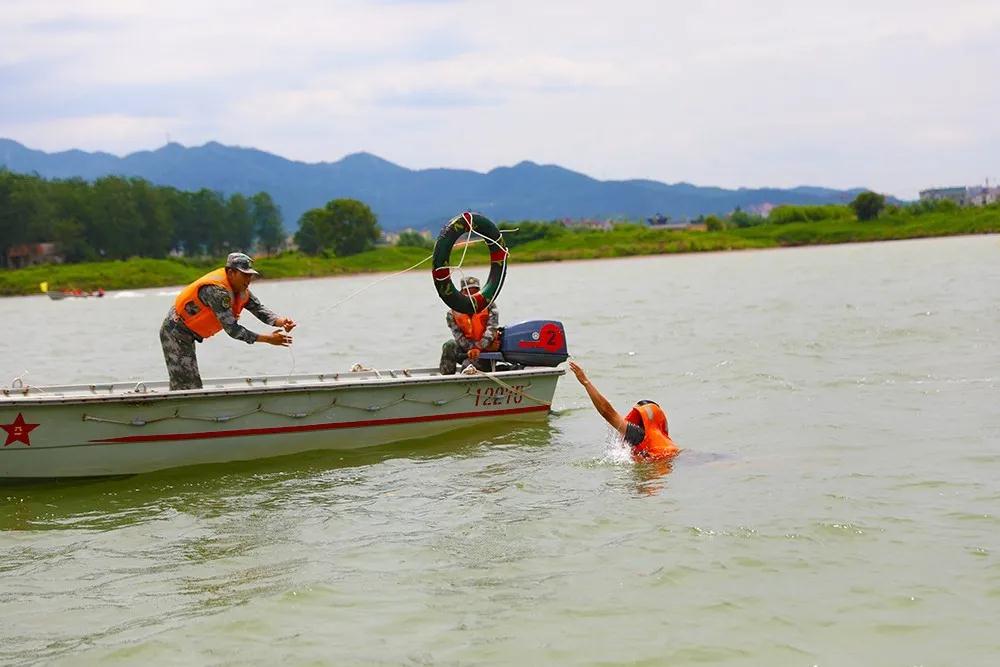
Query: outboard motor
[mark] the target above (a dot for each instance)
(533, 343)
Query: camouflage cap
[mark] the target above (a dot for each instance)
(241, 262)
(471, 281)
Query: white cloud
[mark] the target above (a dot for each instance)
(728, 93)
(112, 133)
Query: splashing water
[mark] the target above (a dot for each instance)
(616, 452)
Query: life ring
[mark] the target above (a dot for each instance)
(446, 288)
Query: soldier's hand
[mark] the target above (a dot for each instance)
(286, 323)
(279, 338)
(578, 372)
(474, 353)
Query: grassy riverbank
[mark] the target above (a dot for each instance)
(139, 273)
(635, 240)
(623, 241)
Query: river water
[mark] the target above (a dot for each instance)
(837, 502)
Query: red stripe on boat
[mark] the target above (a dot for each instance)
(442, 273)
(468, 219)
(240, 432)
(498, 255)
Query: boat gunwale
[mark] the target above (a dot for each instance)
(317, 381)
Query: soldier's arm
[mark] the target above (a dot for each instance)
(456, 331)
(261, 312)
(221, 303)
(492, 324)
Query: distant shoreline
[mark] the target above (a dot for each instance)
(634, 241)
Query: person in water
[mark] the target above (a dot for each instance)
(644, 428)
(471, 334)
(209, 305)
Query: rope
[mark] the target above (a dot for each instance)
(372, 408)
(132, 422)
(221, 418)
(506, 254)
(461, 261)
(291, 371)
(503, 277)
(260, 409)
(298, 415)
(373, 284)
(439, 403)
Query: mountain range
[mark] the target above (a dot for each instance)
(401, 197)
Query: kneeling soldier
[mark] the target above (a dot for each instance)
(471, 334)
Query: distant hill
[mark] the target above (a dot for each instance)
(401, 197)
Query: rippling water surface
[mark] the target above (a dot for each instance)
(837, 502)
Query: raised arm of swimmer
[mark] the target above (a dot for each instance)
(644, 428)
(602, 404)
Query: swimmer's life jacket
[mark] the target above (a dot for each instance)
(473, 326)
(656, 445)
(199, 317)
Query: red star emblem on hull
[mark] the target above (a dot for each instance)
(18, 431)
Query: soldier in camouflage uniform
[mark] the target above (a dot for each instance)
(462, 349)
(178, 338)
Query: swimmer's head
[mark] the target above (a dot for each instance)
(653, 413)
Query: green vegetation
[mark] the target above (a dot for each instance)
(298, 265)
(267, 223)
(868, 205)
(128, 274)
(627, 240)
(412, 239)
(740, 218)
(714, 223)
(343, 226)
(784, 215)
(119, 218)
(528, 231)
(543, 241)
(137, 273)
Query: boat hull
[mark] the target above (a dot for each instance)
(59, 296)
(108, 430)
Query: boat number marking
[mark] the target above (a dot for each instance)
(489, 396)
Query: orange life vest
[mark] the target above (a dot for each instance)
(473, 326)
(203, 322)
(656, 445)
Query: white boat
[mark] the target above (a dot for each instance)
(59, 296)
(125, 428)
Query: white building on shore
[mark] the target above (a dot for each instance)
(971, 195)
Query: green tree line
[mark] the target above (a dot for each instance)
(116, 218)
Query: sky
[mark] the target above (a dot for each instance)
(888, 94)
